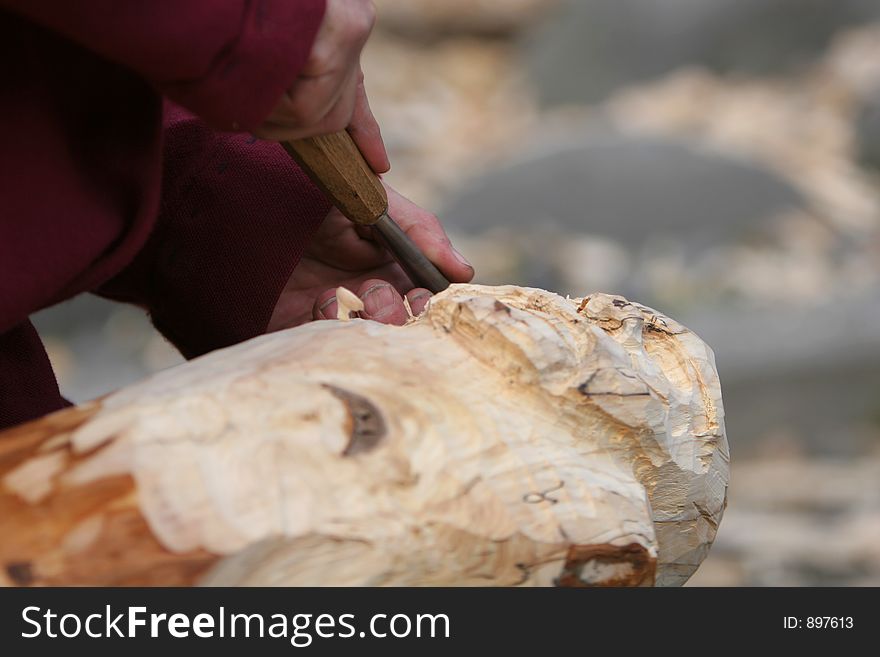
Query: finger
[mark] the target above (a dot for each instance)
(338, 243)
(313, 106)
(327, 42)
(341, 114)
(382, 302)
(418, 299)
(342, 35)
(325, 305)
(365, 131)
(427, 232)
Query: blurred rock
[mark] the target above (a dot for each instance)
(868, 131)
(590, 263)
(798, 522)
(446, 110)
(628, 189)
(159, 354)
(806, 370)
(61, 357)
(854, 59)
(97, 346)
(802, 129)
(84, 313)
(853, 63)
(430, 18)
(594, 47)
(639, 204)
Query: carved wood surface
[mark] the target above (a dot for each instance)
(507, 436)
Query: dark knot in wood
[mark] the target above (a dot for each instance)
(366, 426)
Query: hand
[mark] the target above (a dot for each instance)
(343, 254)
(329, 96)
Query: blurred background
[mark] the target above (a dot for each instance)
(718, 160)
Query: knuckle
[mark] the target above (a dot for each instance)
(342, 119)
(303, 113)
(370, 15)
(336, 122)
(362, 21)
(342, 114)
(432, 222)
(320, 59)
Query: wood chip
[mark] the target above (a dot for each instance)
(347, 302)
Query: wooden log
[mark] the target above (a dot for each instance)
(507, 436)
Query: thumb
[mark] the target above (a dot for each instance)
(365, 132)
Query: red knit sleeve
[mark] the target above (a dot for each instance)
(236, 215)
(229, 62)
(28, 388)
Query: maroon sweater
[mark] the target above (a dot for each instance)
(105, 188)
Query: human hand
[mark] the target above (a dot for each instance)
(343, 254)
(329, 95)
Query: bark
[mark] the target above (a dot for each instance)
(507, 436)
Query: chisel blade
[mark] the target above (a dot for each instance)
(421, 271)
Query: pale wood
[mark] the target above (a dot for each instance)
(336, 166)
(506, 436)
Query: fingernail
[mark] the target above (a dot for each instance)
(326, 311)
(377, 299)
(418, 303)
(461, 258)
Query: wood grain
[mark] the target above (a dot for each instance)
(78, 532)
(336, 166)
(507, 436)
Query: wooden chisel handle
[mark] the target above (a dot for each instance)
(335, 164)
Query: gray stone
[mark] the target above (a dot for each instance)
(811, 372)
(794, 520)
(868, 131)
(592, 47)
(631, 190)
(103, 344)
(84, 313)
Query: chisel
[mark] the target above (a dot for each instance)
(336, 166)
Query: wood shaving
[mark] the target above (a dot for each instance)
(347, 302)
